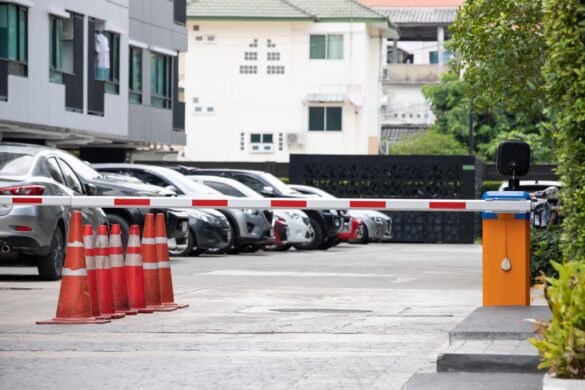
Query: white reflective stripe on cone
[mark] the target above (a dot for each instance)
(76, 272)
(164, 264)
(76, 244)
(101, 263)
(133, 260)
(160, 240)
(150, 265)
(117, 260)
(90, 263)
(148, 241)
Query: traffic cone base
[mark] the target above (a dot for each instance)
(73, 321)
(162, 308)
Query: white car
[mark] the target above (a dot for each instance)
(532, 186)
(299, 227)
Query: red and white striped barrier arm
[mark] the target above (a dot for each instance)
(498, 206)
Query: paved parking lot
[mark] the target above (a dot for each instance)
(353, 317)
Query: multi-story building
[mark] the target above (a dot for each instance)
(417, 58)
(92, 74)
(266, 78)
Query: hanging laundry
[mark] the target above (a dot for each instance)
(102, 49)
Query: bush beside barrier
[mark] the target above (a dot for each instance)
(544, 248)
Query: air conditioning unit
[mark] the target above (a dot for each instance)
(295, 139)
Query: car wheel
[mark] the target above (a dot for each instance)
(186, 251)
(232, 246)
(277, 248)
(51, 265)
(362, 233)
(329, 243)
(317, 238)
(114, 219)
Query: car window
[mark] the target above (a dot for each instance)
(149, 178)
(55, 171)
(80, 168)
(250, 181)
(224, 189)
(14, 164)
(71, 179)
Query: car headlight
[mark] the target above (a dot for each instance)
(250, 211)
(205, 217)
(295, 216)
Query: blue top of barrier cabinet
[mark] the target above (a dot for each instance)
(505, 195)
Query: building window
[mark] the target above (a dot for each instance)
(261, 143)
(250, 56)
(56, 49)
(254, 43)
(14, 37)
(160, 80)
(195, 27)
(326, 47)
(269, 44)
(280, 141)
(135, 79)
(108, 69)
(325, 118)
(199, 38)
(248, 69)
(275, 69)
(273, 56)
(211, 38)
(434, 57)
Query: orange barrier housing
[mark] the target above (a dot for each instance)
(506, 255)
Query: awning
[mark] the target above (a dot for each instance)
(59, 12)
(163, 51)
(326, 98)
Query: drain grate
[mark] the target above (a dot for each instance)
(301, 310)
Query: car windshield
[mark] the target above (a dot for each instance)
(278, 185)
(81, 168)
(187, 185)
(15, 164)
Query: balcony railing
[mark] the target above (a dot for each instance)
(414, 74)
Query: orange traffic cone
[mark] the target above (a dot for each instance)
(74, 305)
(88, 241)
(150, 266)
(164, 265)
(104, 274)
(135, 272)
(118, 275)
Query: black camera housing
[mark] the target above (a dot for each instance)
(513, 160)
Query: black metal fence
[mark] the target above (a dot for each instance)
(404, 177)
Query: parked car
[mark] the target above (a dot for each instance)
(532, 186)
(299, 229)
(377, 226)
(176, 220)
(249, 227)
(325, 223)
(35, 235)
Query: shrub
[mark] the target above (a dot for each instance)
(562, 347)
(429, 143)
(544, 248)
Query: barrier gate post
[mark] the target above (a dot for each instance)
(506, 253)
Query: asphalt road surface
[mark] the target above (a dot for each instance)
(353, 317)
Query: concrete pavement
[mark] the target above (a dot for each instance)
(353, 317)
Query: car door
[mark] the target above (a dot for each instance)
(92, 216)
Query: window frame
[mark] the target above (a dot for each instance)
(18, 65)
(135, 93)
(56, 69)
(162, 101)
(325, 115)
(112, 82)
(326, 54)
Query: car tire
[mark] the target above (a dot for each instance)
(231, 248)
(317, 237)
(329, 243)
(364, 239)
(51, 265)
(114, 219)
(189, 248)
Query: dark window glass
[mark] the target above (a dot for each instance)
(267, 138)
(112, 75)
(14, 33)
(224, 189)
(71, 179)
(135, 87)
(316, 118)
(161, 80)
(255, 138)
(55, 171)
(149, 178)
(333, 120)
(318, 47)
(249, 181)
(13, 164)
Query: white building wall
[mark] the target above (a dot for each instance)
(267, 103)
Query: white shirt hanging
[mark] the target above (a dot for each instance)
(102, 48)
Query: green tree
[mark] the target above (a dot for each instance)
(564, 71)
(429, 143)
(451, 106)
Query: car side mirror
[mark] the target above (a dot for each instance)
(90, 189)
(268, 191)
(171, 188)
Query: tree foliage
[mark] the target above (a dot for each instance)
(451, 106)
(564, 71)
(429, 143)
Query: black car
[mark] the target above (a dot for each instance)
(101, 185)
(326, 223)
